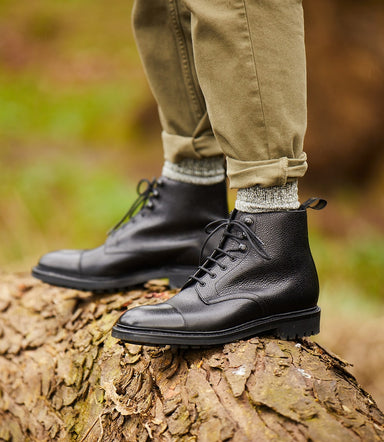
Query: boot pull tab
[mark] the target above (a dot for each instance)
(314, 203)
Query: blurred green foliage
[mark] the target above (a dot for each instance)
(33, 110)
(351, 272)
(71, 95)
(68, 71)
(57, 203)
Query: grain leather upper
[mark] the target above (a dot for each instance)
(167, 231)
(261, 267)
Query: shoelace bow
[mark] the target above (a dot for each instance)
(142, 200)
(219, 252)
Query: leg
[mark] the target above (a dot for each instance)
(250, 61)
(162, 31)
(163, 35)
(261, 278)
(164, 238)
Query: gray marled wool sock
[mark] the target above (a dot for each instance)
(206, 171)
(268, 199)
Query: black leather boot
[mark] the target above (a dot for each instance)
(260, 279)
(163, 239)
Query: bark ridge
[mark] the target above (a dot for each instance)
(63, 377)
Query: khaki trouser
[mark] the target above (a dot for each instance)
(229, 77)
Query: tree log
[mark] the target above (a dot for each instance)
(63, 377)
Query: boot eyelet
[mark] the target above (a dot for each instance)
(156, 193)
(213, 276)
(248, 221)
(160, 183)
(203, 284)
(233, 258)
(224, 268)
(243, 248)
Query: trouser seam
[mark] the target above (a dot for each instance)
(197, 108)
(284, 171)
(256, 74)
(195, 135)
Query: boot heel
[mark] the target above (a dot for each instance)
(299, 327)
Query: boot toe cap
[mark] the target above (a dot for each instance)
(161, 316)
(67, 261)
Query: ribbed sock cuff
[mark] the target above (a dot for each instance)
(268, 199)
(206, 171)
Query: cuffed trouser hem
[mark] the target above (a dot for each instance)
(275, 172)
(177, 147)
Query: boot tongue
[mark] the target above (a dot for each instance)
(243, 227)
(229, 228)
(225, 243)
(229, 243)
(234, 214)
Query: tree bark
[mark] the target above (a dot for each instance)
(63, 377)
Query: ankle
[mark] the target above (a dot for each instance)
(268, 199)
(205, 171)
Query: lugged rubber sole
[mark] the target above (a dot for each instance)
(177, 277)
(286, 326)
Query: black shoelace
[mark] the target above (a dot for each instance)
(231, 229)
(143, 199)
